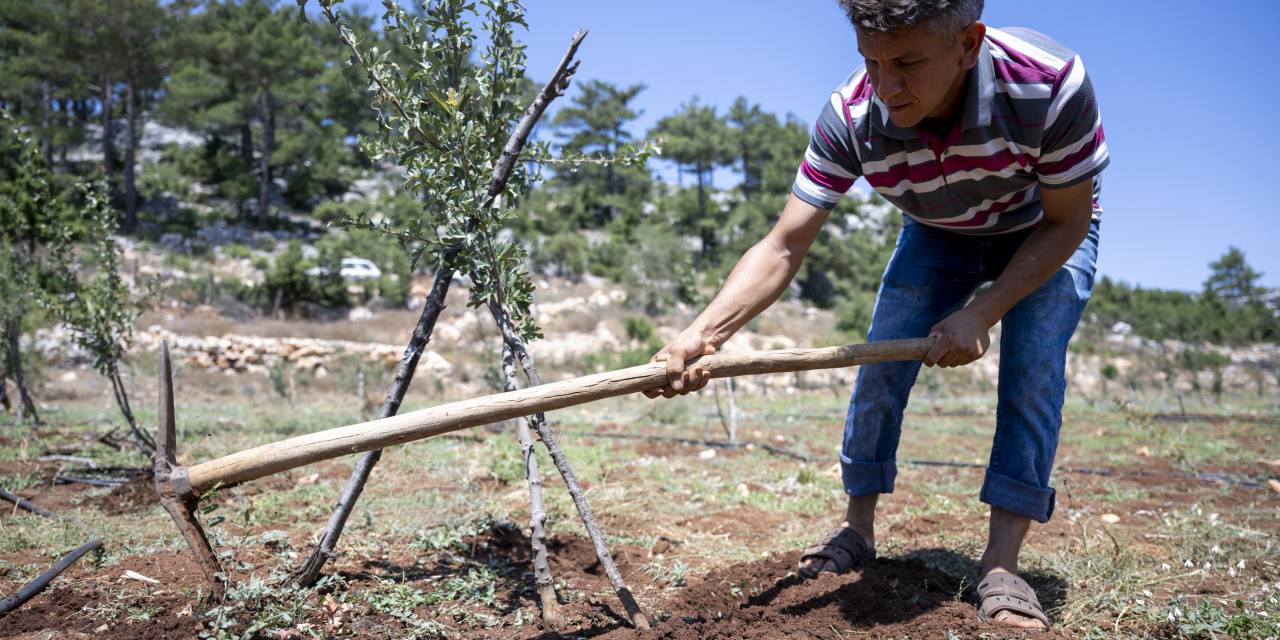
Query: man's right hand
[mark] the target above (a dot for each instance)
(680, 380)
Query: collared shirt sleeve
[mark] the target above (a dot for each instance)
(1073, 148)
(830, 163)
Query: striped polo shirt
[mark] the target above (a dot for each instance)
(1030, 122)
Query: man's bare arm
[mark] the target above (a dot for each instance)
(963, 335)
(759, 277)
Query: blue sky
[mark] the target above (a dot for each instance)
(1186, 88)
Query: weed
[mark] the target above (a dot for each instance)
(666, 574)
(255, 606)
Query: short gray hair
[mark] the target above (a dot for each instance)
(947, 17)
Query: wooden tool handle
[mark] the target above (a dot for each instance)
(417, 425)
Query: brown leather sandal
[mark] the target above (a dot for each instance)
(843, 546)
(1001, 591)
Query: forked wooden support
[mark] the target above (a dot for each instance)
(180, 487)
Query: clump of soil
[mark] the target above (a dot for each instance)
(67, 608)
(766, 599)
(134, 496)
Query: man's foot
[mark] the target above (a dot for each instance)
(844, 548)
(1006, 599)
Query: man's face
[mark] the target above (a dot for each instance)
(918, 74)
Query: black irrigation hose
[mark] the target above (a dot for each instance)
(714, 444)
(1235, 480)
(30, 589)
(128, 472)
(96, 482)
(1208, 417)
(25, 504)
(964, 413)
(1203, 476)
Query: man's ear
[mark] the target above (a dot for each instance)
(971, 43)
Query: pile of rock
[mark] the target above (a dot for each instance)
(235, 353)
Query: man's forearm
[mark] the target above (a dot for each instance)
(1039, 257)
(760, 276)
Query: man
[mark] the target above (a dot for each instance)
(990, 142)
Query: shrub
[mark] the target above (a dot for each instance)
(639, 328)
(564, 254)
(289, 281)
(854, 313)
(159, 179)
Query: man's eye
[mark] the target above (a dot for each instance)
(908, 65)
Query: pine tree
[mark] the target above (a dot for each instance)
(697, 140)
(1232, 279)
(245, 64)
(596, 124)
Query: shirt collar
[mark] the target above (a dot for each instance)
(979, 93)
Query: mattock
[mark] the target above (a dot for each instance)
(173, 485)
(180, 487)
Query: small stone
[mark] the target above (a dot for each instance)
(1274, 484)
(707, 454)
(1110, 518)
(744, 490)
(134, 575)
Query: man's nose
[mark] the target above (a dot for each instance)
(889, 84)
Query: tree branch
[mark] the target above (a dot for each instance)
(551, 614)
(516, 345)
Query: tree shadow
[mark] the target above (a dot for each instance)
(503, 549)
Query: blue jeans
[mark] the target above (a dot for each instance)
(931, 274)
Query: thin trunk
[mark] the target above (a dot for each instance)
(46, 122)
(26, 406)
(267, 110)
(733, 412)
(307, 574)
(122, 399)
(707, 231)
(724, 418)
(4, 392)
(130, 157)
(82, 112)
(516, 343)
(702, 191)
(552, 616)
(246, 144)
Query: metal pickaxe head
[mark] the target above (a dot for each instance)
(173, 487)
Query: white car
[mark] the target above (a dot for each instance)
(353, 269)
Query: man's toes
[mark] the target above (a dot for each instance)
(818, 565)
(1017, 620)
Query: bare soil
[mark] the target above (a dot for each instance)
(921, 587)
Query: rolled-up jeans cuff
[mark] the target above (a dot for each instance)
(867, 478)
(1015, 496)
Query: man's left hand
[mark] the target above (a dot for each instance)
(963, 337)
